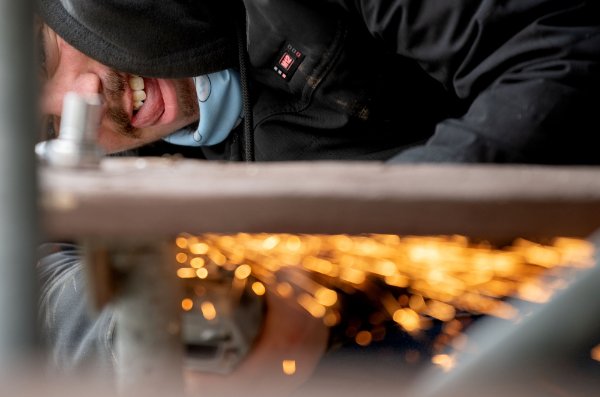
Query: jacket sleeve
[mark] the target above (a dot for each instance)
(74, 337)
(527, 70)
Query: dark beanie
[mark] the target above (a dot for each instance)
(153, 38)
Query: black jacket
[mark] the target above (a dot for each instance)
(410, 80)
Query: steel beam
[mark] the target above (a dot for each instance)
(160, 196)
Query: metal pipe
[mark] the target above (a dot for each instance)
(540, 356)
(18, 229)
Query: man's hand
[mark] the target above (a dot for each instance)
(289, 333)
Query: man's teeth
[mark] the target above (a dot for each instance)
(137, 105)
(136, 83)
(139, 95)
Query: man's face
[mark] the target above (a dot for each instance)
(168, 105)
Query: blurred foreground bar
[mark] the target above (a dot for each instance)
(18, 227)
(162, 197)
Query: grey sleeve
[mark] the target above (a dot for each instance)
(75, 338)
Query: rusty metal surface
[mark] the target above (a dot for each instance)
(161, 197)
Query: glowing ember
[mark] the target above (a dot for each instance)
(208, 310)
(258, 288)
(363, 338)
(289, 367)
(445, 361)
(187, 304)
(596, 353)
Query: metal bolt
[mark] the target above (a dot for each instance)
(76, 145)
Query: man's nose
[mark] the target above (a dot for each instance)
(85, 83)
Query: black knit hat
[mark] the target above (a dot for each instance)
(153, 38)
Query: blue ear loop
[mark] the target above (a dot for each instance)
(220, 103)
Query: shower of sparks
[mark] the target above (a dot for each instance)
(408, 280)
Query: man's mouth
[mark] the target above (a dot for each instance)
(148, 103)
(136, 83)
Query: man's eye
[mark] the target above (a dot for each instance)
(50, 126)
(55, 126)
(41, 54)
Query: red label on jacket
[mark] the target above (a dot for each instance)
(288, 61)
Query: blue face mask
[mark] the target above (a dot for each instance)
(220, 103)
